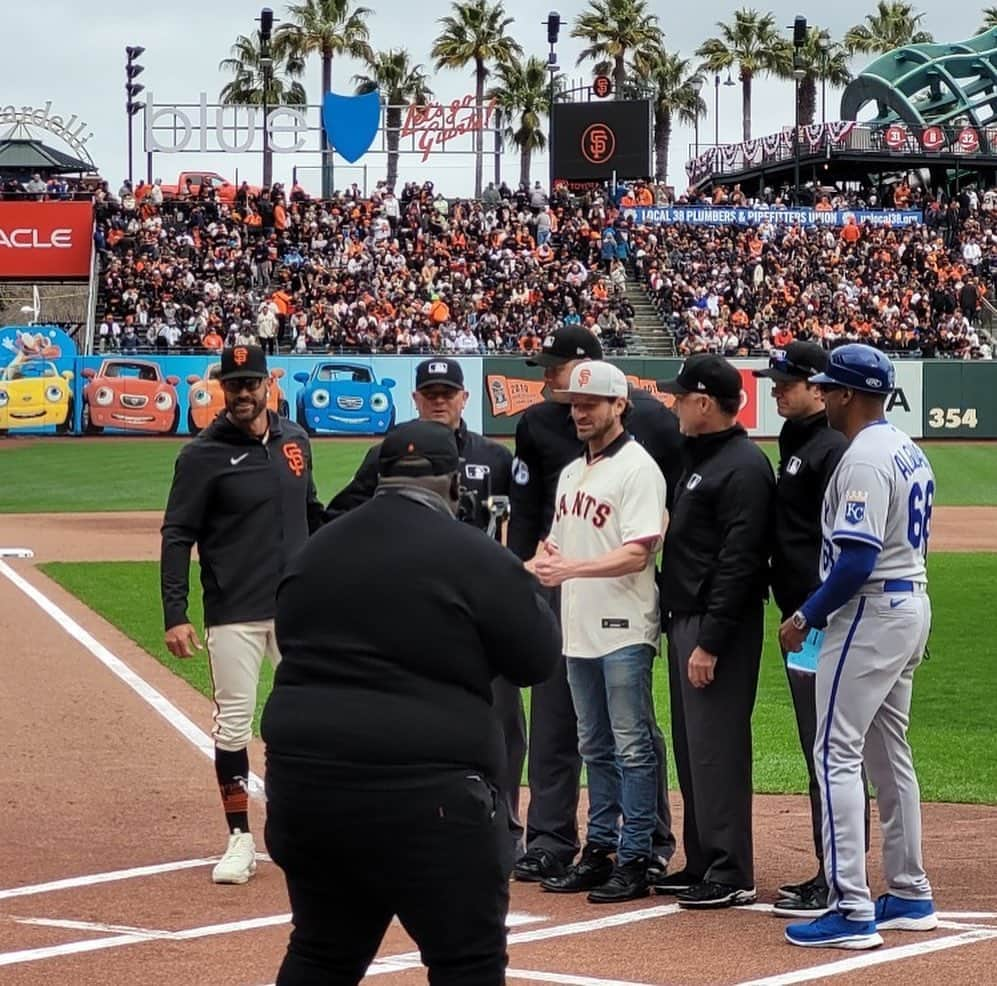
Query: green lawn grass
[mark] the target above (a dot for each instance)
(134, 474)
(952, 732)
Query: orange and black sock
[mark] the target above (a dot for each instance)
(232, 771)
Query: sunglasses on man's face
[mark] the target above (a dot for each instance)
(237, 384)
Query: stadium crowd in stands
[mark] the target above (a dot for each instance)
(407, 274)
(418, 273)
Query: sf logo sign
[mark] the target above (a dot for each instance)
(598, 143)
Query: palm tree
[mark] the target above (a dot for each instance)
(892, 26)
(752, 42)
(615, 29)
(670, 78)
(476, 31)
(400, 84)
(989, 20)
(522, 93)
(326, 28)
(252, 86)
(826, 62)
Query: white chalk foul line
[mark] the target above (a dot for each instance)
(880, 956)
(71, 883)
(391, 963)
(177, 719)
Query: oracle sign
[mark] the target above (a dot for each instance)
(51, 240)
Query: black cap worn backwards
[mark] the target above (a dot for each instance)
(707, 374)
(419, 448)
(243, 361)
(798, 361)
(440, 370)
(565, 344)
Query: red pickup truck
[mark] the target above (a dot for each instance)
(190, 184)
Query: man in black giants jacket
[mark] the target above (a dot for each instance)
(383, 748)
(546, 441)
(809, 452)
(714, 582)
(485, 471)
(243, 493)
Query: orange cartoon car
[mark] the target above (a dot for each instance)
(130, 395)
(206, 400)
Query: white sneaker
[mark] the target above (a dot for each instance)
(239, 862)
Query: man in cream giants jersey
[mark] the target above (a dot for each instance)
(873, 603)
(609, 515)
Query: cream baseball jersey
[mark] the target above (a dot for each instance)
(617, 499)
(881, 494)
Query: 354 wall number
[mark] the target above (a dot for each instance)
(952, 417)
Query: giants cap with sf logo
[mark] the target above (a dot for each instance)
(243, 361)
(594, 378)
(565, 344)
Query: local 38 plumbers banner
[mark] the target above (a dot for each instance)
(709, 215)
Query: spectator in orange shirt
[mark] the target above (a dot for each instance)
(851, 233)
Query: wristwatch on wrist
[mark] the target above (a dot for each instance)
(799, 621)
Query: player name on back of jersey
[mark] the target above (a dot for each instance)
(909, 458)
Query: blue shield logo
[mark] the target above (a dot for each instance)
(351, 122)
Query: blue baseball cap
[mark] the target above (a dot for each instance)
(858, 367)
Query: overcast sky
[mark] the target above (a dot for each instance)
(73, 54)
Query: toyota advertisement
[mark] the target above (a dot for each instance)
(45, 240)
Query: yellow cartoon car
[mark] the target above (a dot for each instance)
(33, 394)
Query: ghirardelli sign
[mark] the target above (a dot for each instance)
(45, 240)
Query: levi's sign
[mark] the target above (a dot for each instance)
(45, 240)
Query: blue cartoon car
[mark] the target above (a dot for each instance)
(345, 398)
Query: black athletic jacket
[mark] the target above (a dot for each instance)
(809, 451)
(715, 558)
(392, 623)
(546, 441)
(486, 469)
(248, 507)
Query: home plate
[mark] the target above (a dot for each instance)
(16, 553)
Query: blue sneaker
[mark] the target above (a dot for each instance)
(900, 914)
(834, 930)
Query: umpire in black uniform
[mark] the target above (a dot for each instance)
(546, 441)
(485, 471)
(383, 748)
(714, 582)
(809, 452)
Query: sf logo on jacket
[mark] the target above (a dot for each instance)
(586, 507)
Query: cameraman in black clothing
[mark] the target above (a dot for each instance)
(714, 582)
(383, 747)
(809, 452)
(485, 472)
(546, 441)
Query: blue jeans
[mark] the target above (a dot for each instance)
(615, 709)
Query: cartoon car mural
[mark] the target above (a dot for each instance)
(345, 398)
(33, 394)
(206, 398)
(130, 395)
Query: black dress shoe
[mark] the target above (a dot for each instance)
(628, 881)
(675, 883)
(537, 865)
(592, 870)
(710, 896)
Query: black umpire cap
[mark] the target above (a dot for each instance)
(565, 344)
(707, 374)
(439, 371)
(419, 448)
(798, 361)
(243, 361)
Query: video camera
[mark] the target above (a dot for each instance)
(483, 510)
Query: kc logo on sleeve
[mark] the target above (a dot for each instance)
(855, 501)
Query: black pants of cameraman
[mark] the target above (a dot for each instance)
(435, 853)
